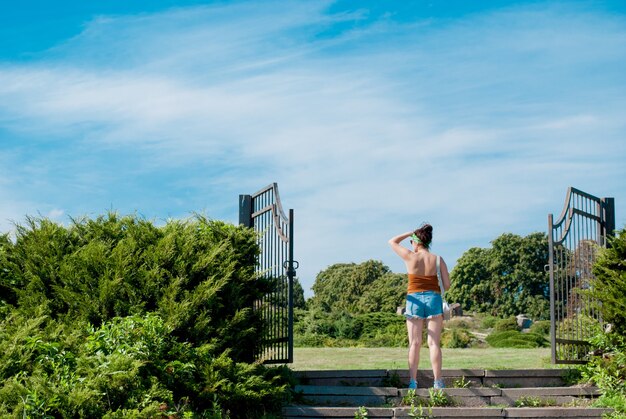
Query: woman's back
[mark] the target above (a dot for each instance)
(421, 263)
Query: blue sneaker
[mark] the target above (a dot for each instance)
(412, 384)
(438, 384)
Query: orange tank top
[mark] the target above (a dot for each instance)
(420, 283)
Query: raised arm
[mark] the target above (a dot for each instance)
(402, 251)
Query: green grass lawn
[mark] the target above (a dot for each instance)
(396, 358)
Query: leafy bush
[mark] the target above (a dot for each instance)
(392, 335)
(489, 322)
(115, 317)
(542, 327)
(457, 323)
(315, 328)
(197, 274)
(607, 370)
(608, 290)
(456, 338)
(516, 339)
(311, 340)
(371, 323)
(315, 322)
(607, 364)
(506, 324)
(129, 366)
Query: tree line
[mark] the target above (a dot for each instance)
(506, 279)
(356, 303)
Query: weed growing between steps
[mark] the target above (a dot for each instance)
(436, 398)
(361, 413)
(462, 383)
(532, 401)
(418, 412)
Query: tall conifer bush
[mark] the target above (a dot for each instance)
(118, 316)
(607, 294)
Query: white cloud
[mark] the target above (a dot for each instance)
(55, 213)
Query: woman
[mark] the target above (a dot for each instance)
(423, 301)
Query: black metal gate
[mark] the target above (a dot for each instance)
(263, 212)
(582, 227)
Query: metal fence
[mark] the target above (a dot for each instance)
(574, 239)
(263, 212)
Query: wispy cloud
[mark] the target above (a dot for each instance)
(476, 124)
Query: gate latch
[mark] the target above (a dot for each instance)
(294, 265)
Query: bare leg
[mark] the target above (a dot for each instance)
(414, 328)
(435, 325)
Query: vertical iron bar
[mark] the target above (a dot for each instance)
(608, 218)
(552, 289)
(291, 274)
(245, 210)
(576, 282)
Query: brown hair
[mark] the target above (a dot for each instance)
(425, 234)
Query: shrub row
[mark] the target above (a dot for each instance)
(315, 328)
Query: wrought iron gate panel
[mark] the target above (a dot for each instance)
(574, 239)
(263, 211)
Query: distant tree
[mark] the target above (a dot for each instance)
(357, 288)
(505, 280)
(384, 294)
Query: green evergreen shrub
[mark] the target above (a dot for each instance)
(371, 323)
(115, 317)
(489, 322)
(607, 292)
(541, 327)
(607, 370)
(457, 323)
(392, 335)
(310, 340)
(456, 338)
(197, 274)
(506, 324)
(516, 339)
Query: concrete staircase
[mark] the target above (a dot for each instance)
(469, 394)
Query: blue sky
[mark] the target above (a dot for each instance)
(371, 116)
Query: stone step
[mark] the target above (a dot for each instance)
(472, 397)
(490, 396)
(297, 412)
(348, 396)
(400, 378)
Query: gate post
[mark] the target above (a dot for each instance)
(245, 211)
(291, 273)
(551, 267)
(608, 214)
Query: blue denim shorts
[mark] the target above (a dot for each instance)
(423, 305)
